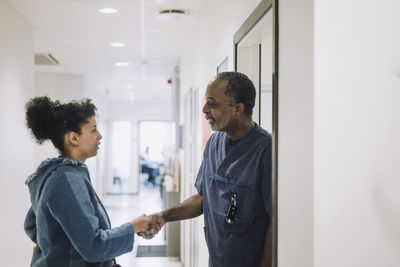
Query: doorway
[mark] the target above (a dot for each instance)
(156, 146)
(123, 177)
(256, 55)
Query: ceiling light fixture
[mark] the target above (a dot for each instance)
(172, 14)
(108, 10)
(117, 44)
(122, 64)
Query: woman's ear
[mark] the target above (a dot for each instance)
(73, 138)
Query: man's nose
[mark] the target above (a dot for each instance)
(205, 108)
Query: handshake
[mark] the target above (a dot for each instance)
(148, 226)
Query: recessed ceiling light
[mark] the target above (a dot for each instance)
(107, 10)
(122, 64)
(117, 44)
(129, 86)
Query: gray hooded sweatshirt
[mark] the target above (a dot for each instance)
(68, 221)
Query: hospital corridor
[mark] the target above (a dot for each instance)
(240, 133)
(123, 207)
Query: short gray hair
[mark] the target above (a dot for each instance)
(240, 88)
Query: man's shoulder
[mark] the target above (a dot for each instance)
(215, 141)
(262, 135)
(216, 137)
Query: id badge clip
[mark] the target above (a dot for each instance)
(232, 210)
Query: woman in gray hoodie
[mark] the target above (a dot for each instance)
(67, 219)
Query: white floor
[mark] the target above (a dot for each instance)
(125, 208)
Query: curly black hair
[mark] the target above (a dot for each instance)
(51, 120)
(240, 88)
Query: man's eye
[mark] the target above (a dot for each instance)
(211, 104)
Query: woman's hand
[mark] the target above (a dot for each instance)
(157, 221)
(141, 223)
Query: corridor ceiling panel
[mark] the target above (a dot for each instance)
(79, 37)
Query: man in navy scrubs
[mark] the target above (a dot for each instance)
(234, 179)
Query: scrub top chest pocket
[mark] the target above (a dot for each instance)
(218, 200)
(229, 204)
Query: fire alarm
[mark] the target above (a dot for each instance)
(169, 81)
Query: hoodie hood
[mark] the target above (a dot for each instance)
(36, 181)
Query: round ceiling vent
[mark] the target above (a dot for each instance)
(172, 14)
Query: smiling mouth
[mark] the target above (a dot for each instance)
(210, 119)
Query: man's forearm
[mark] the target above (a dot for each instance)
(266, 260)
(190, 208)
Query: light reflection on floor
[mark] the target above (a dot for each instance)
(125, 208)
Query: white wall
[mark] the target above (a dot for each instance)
(16, 145)
(296, 126)
(60, 86)
(99, 99)
(127, 110)
(339, 134)
(357, 130)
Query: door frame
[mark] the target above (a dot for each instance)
(259, 12)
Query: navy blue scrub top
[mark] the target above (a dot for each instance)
(245, 171)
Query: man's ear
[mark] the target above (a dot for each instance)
(239, 108)
(73, 138)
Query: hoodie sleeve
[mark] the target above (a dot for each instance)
(72, 207)
(30, 225)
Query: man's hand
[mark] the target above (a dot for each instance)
(190, 208)
(156, 222)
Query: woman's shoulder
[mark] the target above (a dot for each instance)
(71, 166)
(68, 173)
(64, 182)
(73, 162)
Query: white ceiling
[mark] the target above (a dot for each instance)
(79, 37)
